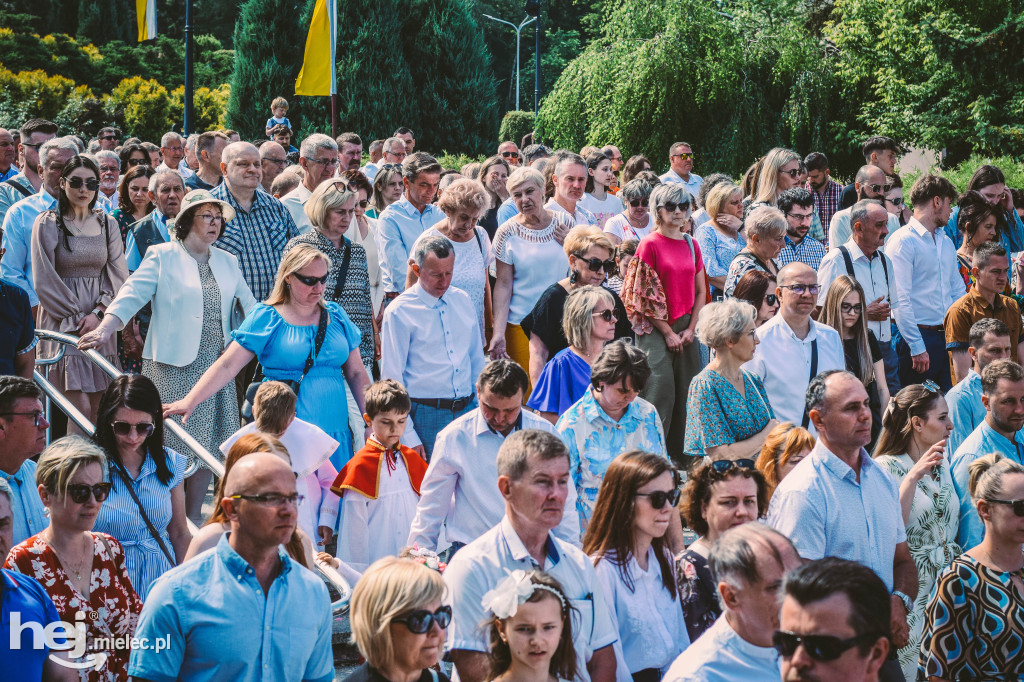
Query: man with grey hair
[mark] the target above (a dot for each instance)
(747, 563)
(273, 160)
(172, 148)
(570, 180)
(392, 152)
(430, 342)
(871, 183)
(318, 158)
(109, 164)
(166, 190)
(191, 152)
(406, 219)
(16, 265)
(680, 159)
(23, 428)
(33, 133)
(8, 154)
(510, 152)
(209, 146)
(533, 478)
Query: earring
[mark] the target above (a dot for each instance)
(573, 277)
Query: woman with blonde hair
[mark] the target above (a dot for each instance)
(720, 237)
(779, 172)
(299, 339)
(399, 622)
(784, 448)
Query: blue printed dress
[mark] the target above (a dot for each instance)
(716, 414)
(282, 349)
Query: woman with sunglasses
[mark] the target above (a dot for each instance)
(494, 177)
(757, 288)
(365, 235)
(133, 155)
(597, 199)
(387, 189)
(626, 540)
(590, 262)
(912, 446)
(978, 222)
(720, 237)
(975, 617)
(194, 288)
(728, 413)
(663, 294)
(785, 447)
(990, 183)
(765, 231)
(894, 201)
(81, 570)
(634, 223)
(399, 622)
(130, 429)
(718, 496)
(78, 266)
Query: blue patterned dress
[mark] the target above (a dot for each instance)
(716, 414)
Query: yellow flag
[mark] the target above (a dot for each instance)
(317, 76)
(146, 18)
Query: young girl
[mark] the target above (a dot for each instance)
(845, 311)
(624, 253)
(598, 200)
(626, 540)
(531, 629)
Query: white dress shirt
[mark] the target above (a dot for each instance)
(927, 279)
(783, 361)
(692, 185)
(432, 345)
(460, 488)
(876, 276)
(581, 215)
(295, 202)
(840, 231)
(721, 655)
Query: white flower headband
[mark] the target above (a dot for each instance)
(504, 600)
(427, 558)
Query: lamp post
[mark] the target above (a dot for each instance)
(188, 69)
(518, 29)
(533, 9)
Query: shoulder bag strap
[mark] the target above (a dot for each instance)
(849, 261)
(321, 333)
(339, 283)
(145, 517)
(479, 242)
(814, 372)
(24, 192)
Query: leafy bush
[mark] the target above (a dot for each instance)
(961, 174)
(515, 125)
(144, 105)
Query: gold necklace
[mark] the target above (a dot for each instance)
(64, 562)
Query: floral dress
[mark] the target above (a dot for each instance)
(931, 537)
(696, 592)
(718, 415)
(112, 608)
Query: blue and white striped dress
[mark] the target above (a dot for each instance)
(119, 517)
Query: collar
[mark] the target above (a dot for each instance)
(405, 206)
(427, 299)
(325, 244)
(239, 566)
(158, 217)
(916, 225)
(784, 327)
(481, 427)
(997, 304)
(989, 432)
(593, 411)
(837, 466)
(257, 200)
(48, 198)
(518, 550)
(856, 253)
(790, 242)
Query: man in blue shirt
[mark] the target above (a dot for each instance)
(1002, 385)
(269, 619)
(166, 190)
(22, 435)
(989, 341)
(34, 132)
(403, 221)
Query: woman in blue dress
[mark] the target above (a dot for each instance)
(282, 332)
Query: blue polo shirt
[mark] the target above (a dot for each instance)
(397, 229)
(965, 409)
(23, 595)
(982, 441)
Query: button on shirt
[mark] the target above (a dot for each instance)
(478, 567)
(927, 279)
(692, 185)
(875, 275)
(16, 265)
(825, 511)
(720, 655)
(982, 441)
(783, 361)
(29, 514)
(432, 345)
(397, 229)
(460, 488)
(809, 251)
(257, 237)
(131, 249)
(222, 626)
(965, 409)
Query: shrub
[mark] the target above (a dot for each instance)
(515, 125)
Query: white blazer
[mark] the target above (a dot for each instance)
(169, 278)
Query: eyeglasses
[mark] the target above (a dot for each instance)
(510, 155)
(326, 163)
(848, 308)
(107, 138)
(818, 647)
(37, 416)
(722, 466)
(794, 173)
(389, 166)
(896, 201)
(363, 204)
(125, 428)
(595, 264)
(272, 499)
(400, 154)
(801, 216)
(879, 189)
(671, 206)
(79, 492)
(801, 289)
(309, 280)
(279, 162)
(110, 169)
(420, 621)
(606, 315)
(137, 162)
(659, 497)
(637, 203)
(687, 155)
(1018, 505)
(92, 184)
(211, 218)
(771, 299)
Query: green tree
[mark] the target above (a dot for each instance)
(144, 105)
(515, 125)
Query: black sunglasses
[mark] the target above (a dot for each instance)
(309, 280)
(607, 315)
(879, 189)
(723, 465)
(388, 166)
(109, 137)
(138, 162)
(92, 184)
(671, 206)
(637, 203)
(595, 264)
(125, 428)
(771, 299)
(79, 492)
(659, 497)
(510, 155)
(1017, 505)
(419, 622)
(818, 647)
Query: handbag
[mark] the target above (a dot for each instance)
(250, 391)
(145, 517)
(236, 315)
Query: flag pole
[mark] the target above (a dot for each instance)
(334, 68)
(188, 68)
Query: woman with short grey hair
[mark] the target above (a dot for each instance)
(634, 223)
(765, 229)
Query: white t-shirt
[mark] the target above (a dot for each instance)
(472, 259)
(602, 210)
(619, 226)
(720, 655)
(539, 261)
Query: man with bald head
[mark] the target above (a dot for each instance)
(510, 152)
(273, 160)
(261, 226)
(871, 183)
(271, 618)
(792, 347)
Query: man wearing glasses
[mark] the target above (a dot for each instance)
(680, 159)
(8, 151)
(274, 160)
(34, 132)
(871, 183)
(797, 204)
(394, 153)
(108, 138)
(271, 618)
(172, 148)
(510, 152)
(318, 157)
(22, 435)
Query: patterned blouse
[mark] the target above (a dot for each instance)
(716, 414)
(696, 592)
(111, 598)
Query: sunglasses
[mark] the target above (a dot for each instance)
(387, 166)
(79, 492)
(37, 416)
(879, 189)
(1018, 505)
(309, 280)
(931, 386)
(92, 184)
(688, 155)
(637, 203)
(659, 497)
(818, 647)
(138, 162)
(108, 137)
(771, 299)
(896, 201)
(510, 155)
(791, 173)
(125, 428)
(721, 466)
(595, 264)
(607, 315)
(420, 621)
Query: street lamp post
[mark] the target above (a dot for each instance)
(518, 29)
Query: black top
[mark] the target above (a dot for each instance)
(849, 196)
(545, 320)
(490, 222)
(17, 330)
(367, 673)
(853, 365)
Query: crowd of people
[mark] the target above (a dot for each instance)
(553, 415)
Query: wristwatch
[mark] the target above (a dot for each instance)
(907, 602)
(98, 312)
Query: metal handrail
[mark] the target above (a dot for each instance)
(326, 571)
